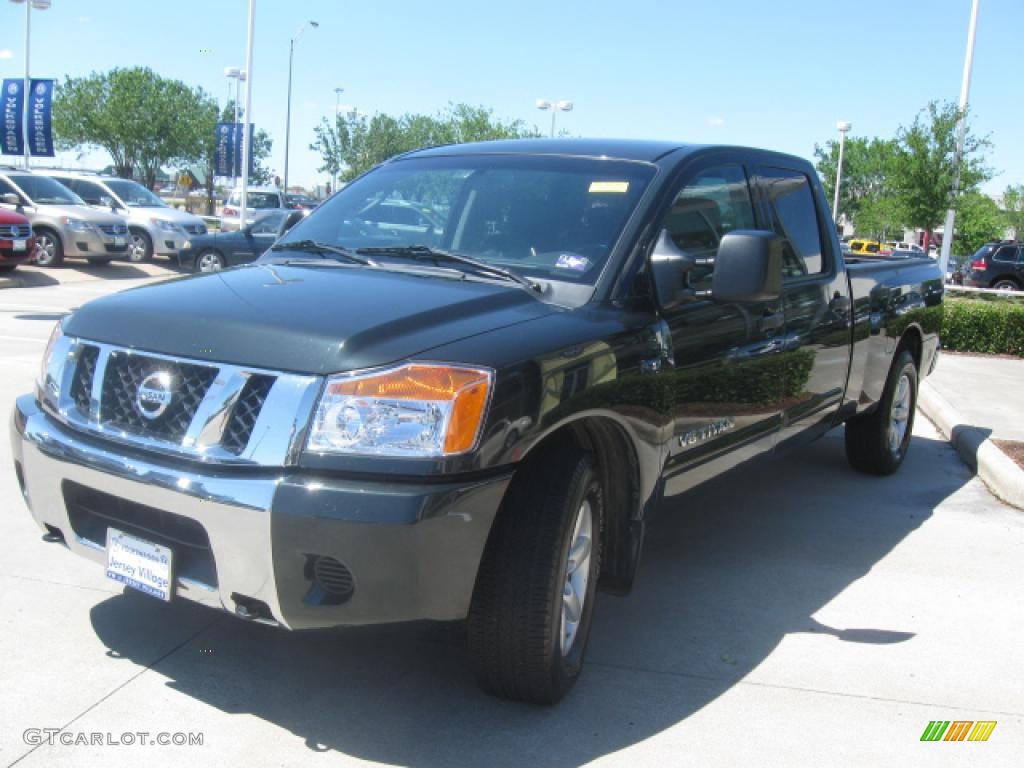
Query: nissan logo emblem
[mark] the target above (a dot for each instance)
(154, 395)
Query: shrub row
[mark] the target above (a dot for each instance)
(992, 327)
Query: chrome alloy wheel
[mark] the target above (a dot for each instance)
(137, 249)
(46, 248)
(899, 414)
(577, 572)
(210, 262)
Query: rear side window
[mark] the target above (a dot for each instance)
(88, 191)
(714, 203)
(793, 216)
(1006, 253)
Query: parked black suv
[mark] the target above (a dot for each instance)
(997, 265)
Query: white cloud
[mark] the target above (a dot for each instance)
(716, 121)
(6, 53)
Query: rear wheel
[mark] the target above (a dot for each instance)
(49, 249)
(209, 261)
(1005, 284)
(141, 247)
(877, 443)
(534, 597)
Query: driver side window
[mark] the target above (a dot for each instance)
(710, 205)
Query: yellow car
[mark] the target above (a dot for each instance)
(869, 248)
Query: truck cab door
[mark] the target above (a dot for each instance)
(816, 303)
(724, 356)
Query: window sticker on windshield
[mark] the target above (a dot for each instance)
(604, 187)
(572, 261)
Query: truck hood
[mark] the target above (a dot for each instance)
(305, 319)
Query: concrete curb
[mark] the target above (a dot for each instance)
(998, 471)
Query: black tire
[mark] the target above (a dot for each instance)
(141, 247)
(514, 628)
(1005, 284)
(868, 445)
(205, 261)
(49, 248)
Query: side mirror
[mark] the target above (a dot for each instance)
(11, 199)
(290, 221)
(668, 265)
(748, 267)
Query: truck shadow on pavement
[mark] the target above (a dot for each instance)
(729, 571)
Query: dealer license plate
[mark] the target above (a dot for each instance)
(19, 245)
(139, 564)
(120, 241)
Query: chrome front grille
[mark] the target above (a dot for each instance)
(114, 229)
(126, 372)
(212, 412)
(10, 231)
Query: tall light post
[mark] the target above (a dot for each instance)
(555, 107)
(39, 5)
(288, 117)
(337, 109)
(965, 91)
(246, 149)
(844, 127)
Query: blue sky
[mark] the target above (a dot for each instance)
(776, 74)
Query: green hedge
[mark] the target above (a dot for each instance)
(992, 327)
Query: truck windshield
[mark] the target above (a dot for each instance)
(134, 195)
(554, 218)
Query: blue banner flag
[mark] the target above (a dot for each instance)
(13, 112)
(40, 119)
(227, 153)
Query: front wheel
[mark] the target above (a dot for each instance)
(49, 249)
(141, 248)
(877, 443)
(534, 597)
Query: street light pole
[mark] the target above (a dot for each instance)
(40, 5)
(337, 160)
(965, 90)
(843, 127)
(555, 107)
(246, 149)
(288, 116)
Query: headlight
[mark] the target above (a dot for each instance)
(77, 225)
(413, 410)
(52, 368)
(187, 245)
(166, 226)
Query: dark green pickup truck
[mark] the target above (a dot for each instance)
(459, 387)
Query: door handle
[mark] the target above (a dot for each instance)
(773, 321)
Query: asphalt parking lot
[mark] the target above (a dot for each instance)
(792, 613)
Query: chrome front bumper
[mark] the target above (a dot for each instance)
(412, 549)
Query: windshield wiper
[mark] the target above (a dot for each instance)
(314, 246)
(424, 253)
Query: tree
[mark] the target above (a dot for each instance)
(880, 218)
(978, 221)
(354, 143)
(144, 121)
(924, 166)
(1013, 209)
(867, 164)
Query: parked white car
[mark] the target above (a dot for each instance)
(153, 226)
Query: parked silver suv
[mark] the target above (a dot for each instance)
(153, 226)
(259, 202)
(63, 224)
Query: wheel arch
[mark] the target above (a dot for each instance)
(614, 447)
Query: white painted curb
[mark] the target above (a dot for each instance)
(998, 471)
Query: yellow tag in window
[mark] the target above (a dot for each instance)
(605, 187)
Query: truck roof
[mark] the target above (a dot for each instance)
(620, 149)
